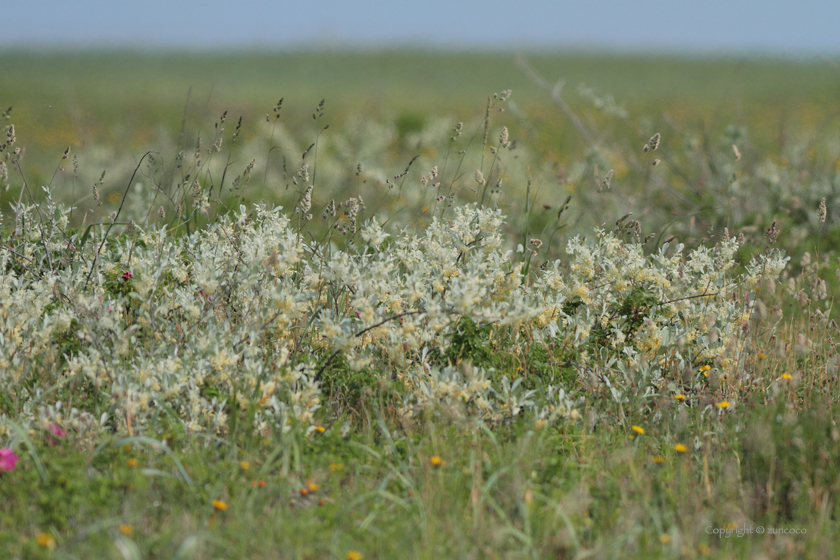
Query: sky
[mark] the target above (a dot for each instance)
(724, 26)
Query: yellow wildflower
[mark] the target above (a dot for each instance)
(244, 465)
(680, 397)
(723, 404)
(680, 448)
(45, 540)
(639, 430)
(132, 462)
(436, 461)
(336, 467)
(787, 376)
(354, 555)
(126, 529)
(220, 505)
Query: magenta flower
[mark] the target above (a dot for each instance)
(8, 459)
(57, 431)
(127, 275)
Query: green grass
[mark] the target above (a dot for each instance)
(123, 98)
(515, 492)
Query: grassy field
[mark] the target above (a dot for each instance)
(483, 325)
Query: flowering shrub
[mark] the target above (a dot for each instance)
(246, 314)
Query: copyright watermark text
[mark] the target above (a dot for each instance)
(744, 530)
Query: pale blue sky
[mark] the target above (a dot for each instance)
(772, 26)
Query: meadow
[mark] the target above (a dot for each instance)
(418, 304)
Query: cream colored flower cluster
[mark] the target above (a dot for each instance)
(674, 310)
(248, 314)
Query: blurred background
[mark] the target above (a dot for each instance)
(591, 83)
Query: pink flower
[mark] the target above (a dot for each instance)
(127, 275)
(8, 459)
(57, 431)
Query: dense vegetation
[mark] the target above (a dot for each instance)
(591, 320)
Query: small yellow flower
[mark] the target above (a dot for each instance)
(680, 397)
(244, 465)
(313, 486)
(680, 448)
(639, 430)
(658, 459)
(45, 540)
(220, 505)
(354, 555)
(705, 370)
(132, 462)
(664, 539)
(126, 529)
(761, 355)
(436, 461)
(787, 376)
(320, 429)
(336, 467)
(723, 404)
